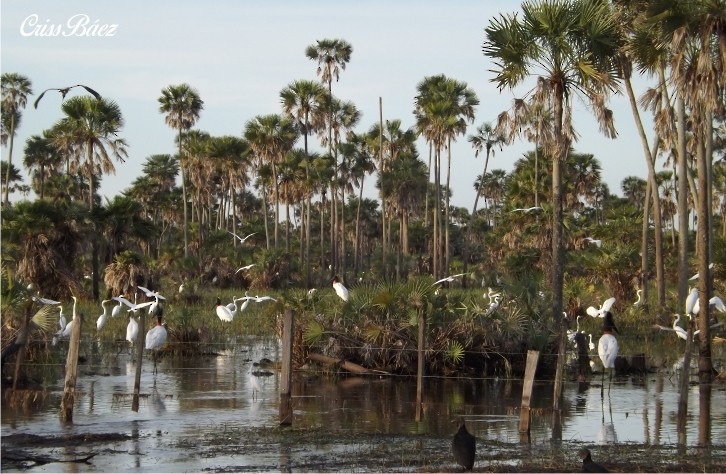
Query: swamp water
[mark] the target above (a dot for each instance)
(202, 414)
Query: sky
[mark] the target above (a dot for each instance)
(239, 55)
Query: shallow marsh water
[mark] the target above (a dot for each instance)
(200, 413)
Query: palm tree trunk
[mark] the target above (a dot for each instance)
(705, 366)
(644, 246)
(356, 247)
(264, 215)
(384, 244)
(10, 157)
(447, 211)
(682, 201)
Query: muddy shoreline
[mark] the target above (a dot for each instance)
(320, 450)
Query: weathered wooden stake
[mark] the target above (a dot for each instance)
(525, 416)
(288, 328)
(685, 378)
(421, 363)
(69, 389)
(140, 342)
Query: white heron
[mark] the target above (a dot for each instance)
(223, 312)
(637, 302)
(240, 238)
(340, 289)
(691, 300)
(155, 308)
(246, 267)
(607, 349)
(527, 209)
(132, 329)
(62, 325)
(245, 303)
(67, 330)
(101, 321)
(155, 338)
(491, 294)
(493, 305)
(591, 344)
(600, 312)
(594, 241)
(715, 302)
(232, 307)
(116, 311)
(254, 383)
(449, 278)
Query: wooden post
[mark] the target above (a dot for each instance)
(288, 328)
(683, 391)
(421, 363)
(69, 389)
(525, 416)
(140, 342)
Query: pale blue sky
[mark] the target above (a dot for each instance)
(239, 55)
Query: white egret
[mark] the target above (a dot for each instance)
(254, 383)
(116, 309)
(61, 318)
(155, 338)
(591, 344)
(527, 209)
(246, 267)
(491, 294)
(715, 301)
(260, 299)
(637, 302)
(67, 330)
(232, 307)
(101, 321)
(493, 305)
(245, 303)
(594, 241)
(607, 349)
(691, 300)
(132, 329)
(340, 289)
(449, 278)
(240, 238)
(600, 312)
(41, 300)
(223, 312)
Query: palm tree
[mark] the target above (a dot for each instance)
(486, 138)
(15, 91)
(270, 137)
(40, 158)
(572, 43)
(302, 101)
(181, 104)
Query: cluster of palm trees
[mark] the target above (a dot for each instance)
(558, 50)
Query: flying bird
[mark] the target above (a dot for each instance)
(246, 267)
(695, 277)
(240, 238)
(464, 446)
(64, 91)
(527, 209)
(340, 289)
(594, 241)
(449, 278)
(600, 312)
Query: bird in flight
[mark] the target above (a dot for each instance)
(64, 91)
(240, 238)
(695, 277)
(449, 278)
(594, 241)
(600, 312)
(246, 267)
(527, 209)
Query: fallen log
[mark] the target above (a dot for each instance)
(39, 460)
(345, 365)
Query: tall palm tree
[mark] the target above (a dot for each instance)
(303, 101)
(270, 137)
(181, 104)
(91, 127)
(15, 91)
(41, 157)
(572, 44)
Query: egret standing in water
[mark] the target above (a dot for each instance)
(155, 338)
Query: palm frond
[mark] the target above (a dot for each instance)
(46, 318)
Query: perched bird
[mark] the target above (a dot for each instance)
(101, 321)
(464, 446)
(246, 267)
(132, 329)
(240, 238)
(600, 312)
(588, 465)
(223, 312)
(594, 241)
(340, 289)
(691, 300)
(67, 330)
(64, 91)
(448, 278)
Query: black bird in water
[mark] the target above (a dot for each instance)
(464, 446)
(64, 91)
(588, 465)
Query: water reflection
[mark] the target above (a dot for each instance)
(192, 395)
